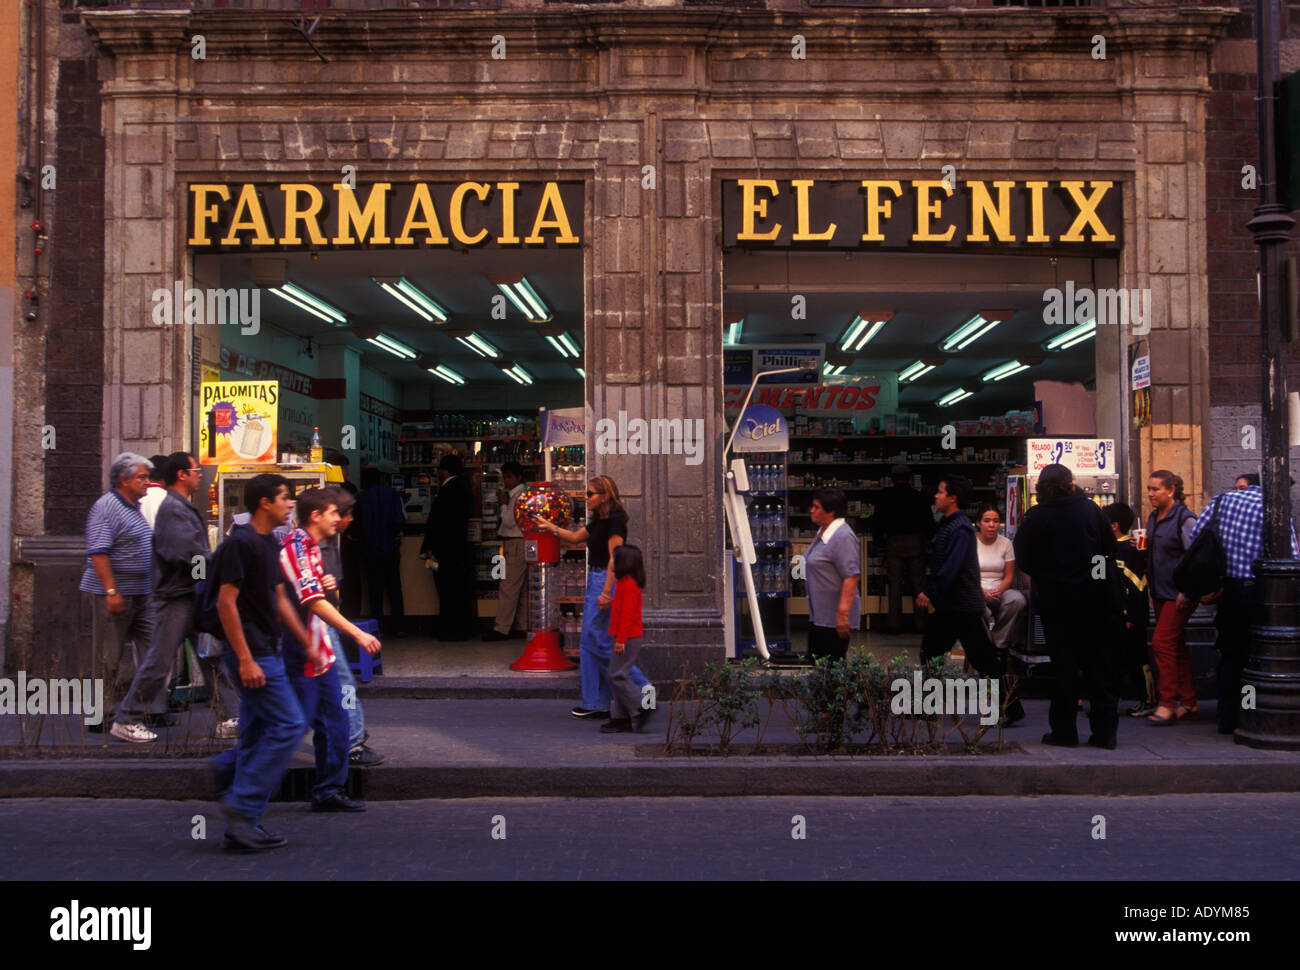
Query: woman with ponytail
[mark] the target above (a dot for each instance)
(1168, 536)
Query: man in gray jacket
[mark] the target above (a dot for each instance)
(180, 542)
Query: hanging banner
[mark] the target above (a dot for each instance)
(238, 421)
(762, 429)
(867, 396)
(564, 427)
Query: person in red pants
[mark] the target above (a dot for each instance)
(1168, 535)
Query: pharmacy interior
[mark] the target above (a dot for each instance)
(401, 323)
(936, 355)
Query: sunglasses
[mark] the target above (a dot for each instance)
(590, 492)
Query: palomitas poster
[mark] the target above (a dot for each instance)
(238, 421)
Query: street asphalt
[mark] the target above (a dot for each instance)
(512, 747)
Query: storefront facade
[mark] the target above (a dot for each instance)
(653, 111)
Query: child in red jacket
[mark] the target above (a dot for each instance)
(625, 629)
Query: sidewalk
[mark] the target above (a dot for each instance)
(460, 748)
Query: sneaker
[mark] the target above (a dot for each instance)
(1141, 709)
(227, 729)
(363, 757)
(619, 725)
(132, 732)
(584, 713)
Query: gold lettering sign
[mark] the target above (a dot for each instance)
(923, 213)
(429, 214)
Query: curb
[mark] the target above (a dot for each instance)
(705, 777)
(466, 688)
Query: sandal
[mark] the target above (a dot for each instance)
(1167, 719)
(1183, 712)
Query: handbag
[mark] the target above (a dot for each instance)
(1204, 567)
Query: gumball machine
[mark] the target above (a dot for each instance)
(542, 500)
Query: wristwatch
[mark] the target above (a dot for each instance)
(111, 592)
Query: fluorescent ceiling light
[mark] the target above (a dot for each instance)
(521, 293)
(415, 298)
(1003, 371)
(733, 332)
(859, 333)
(446, 373)
(833, 370)
(564, 344)
(969, 332)
(915, 370)
(581, 373)
(1075, 335)
(953, 396)
(520, 375)
(394, 347)
(312, 304)
(480, 346)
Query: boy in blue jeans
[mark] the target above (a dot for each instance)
(317, 685)
(252, 603)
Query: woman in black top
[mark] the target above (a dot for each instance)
(605, 531)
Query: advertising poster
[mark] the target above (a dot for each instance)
(762, 429)
(237, 421)
(1083, 456)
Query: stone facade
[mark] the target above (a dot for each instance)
(700, 95)
(1232, 142)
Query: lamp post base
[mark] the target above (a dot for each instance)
(1271, 718)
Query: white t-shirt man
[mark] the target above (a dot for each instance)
(152, 500)
(993, 560)
(509, 529)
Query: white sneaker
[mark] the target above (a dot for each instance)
(229, 728)
(132, 732)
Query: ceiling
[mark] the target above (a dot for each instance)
(459, 281)
(920, 322)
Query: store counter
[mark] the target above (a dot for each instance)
(419, 594)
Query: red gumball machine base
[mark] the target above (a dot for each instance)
(543, 653)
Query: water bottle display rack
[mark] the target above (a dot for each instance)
(769, 518)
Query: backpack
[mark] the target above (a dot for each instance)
(1204, 567)
(206, 618)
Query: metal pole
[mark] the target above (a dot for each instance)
(1273, 666)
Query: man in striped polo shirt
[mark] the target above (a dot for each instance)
(118, 579)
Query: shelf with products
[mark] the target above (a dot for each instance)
(768, 513)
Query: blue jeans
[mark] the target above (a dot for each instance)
(596, 647)
(356, 717)
(270, 726)
(322, 708)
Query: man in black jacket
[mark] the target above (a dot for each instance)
(900, 525)
(1135, 675)
(953, 588)
(445, 539)
(180, 544)
(1066, 546)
